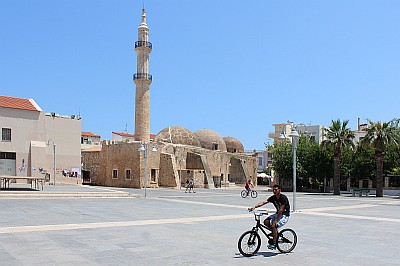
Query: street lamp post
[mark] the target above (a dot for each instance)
(180, 171)
(54, 159)
(143, 148)
(295, 137)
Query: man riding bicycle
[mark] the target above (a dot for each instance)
(278, 219)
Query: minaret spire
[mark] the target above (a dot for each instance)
(143, 16)
(142, 80)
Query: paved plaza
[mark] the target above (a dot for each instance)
(82, 225)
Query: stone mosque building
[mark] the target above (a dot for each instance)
(175, 155)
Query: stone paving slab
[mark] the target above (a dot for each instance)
(170, 227)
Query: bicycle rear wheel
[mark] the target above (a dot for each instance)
(249, 243)
(243, 193)
(287, 240)
(254, 194)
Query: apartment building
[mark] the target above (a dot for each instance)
(90, 140)
(32, 140)
(315, 132)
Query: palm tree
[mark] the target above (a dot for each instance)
(379, 136)
(338, 136)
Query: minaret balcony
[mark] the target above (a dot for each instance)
(144, 76)
(143, 44)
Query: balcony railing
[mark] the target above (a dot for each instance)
(142, 76)
(143, 44)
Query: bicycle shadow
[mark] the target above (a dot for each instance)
(265, 254)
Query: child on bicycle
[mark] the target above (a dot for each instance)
(248, 186)
(278, 219)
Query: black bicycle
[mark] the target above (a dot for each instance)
(246, 193)
(250, 241)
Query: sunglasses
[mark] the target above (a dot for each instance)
(275, 189)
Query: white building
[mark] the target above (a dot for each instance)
(360, 132)
(90, 140)
(29, 137)
(315, 132)
(122, 137)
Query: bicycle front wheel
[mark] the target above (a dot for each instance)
(249, 243)
(254, 194)
(243, 193)
(287, 240)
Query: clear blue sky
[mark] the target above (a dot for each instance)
(235, 67)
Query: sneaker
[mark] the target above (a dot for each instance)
(271, 246)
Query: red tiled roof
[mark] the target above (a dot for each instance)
(19, 103)
(152, 136)
(90, 134)
(123, 134)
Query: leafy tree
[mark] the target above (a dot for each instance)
(363, 163)
(325, 163)
(314, 165)
(338, 136)
(283, 157)
(346, 163)
(311, 162)
(380, 135)
(391, 164)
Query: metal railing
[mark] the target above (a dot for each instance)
(142, 76)
(143, 44)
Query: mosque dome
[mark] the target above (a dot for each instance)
(210, 140)
(177, 135)
(233, 145)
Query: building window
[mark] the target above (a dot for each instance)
(128, 174)
(153, 175)
(115, 174)
(8, 155)
(6, 134)
(260, 161)
(214, 146)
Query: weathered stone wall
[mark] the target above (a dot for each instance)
(193, 161)
(167, 171)
(237, 174)
(163, 166)
(120, 157)
(91, 162)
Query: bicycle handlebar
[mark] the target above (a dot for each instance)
(259, 212)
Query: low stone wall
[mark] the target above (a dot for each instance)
(68, 180)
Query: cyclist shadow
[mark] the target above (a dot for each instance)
(266, 254)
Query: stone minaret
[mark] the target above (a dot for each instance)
(142, 79)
